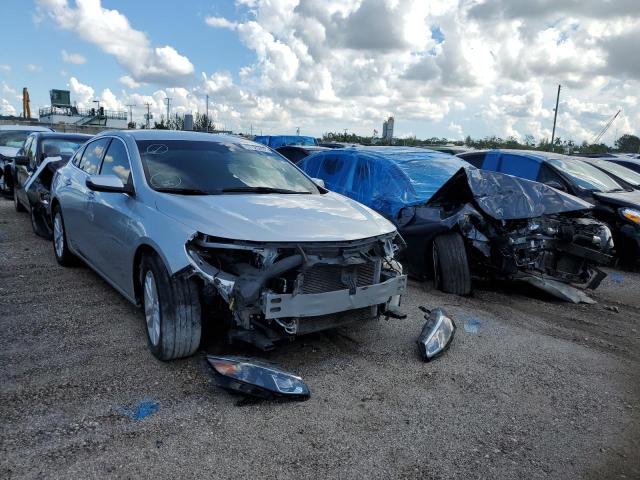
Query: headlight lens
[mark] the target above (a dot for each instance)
(256, 378)
(436, 334)
(631, 214)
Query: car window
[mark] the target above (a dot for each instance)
(519, 166)
(92, 156)
(547, 174)
(586, 176)
(14, 139)
(630, 165)
(31, 153)
(116, 162)
(59, 147)
(475, 159)
(187, 166)
(619, 171)
(78, 157)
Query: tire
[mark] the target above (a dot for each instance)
(172, 311)
(60, 246)
(450, 264)
(16, 203)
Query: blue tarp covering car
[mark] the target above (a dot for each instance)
(383, 178)
(276, 141)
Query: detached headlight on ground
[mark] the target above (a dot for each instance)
(631, 214)
(256, 378)
(436, 335)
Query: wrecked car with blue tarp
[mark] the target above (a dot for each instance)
(277, 141)
(460, 222)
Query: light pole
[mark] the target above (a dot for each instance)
(98, 102)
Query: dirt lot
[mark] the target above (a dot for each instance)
(531, 388)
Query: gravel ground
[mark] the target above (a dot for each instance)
(531, 388)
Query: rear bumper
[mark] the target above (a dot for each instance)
(312, 305)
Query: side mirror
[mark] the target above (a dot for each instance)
(556, 185)
(107, 183)
(21, 160)
(319, 182)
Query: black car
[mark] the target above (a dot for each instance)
(295, 153)
(460, 222)
(617, 206)
(12, 138)
(32, 171)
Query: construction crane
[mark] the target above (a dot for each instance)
(606, 127)
(26, 109)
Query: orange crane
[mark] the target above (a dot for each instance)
(26, 109)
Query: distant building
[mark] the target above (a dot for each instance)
(387, 129)
(62, 112)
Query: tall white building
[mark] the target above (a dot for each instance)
(387, 129)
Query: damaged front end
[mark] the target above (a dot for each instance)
(271, 292)
(518, 229)
(565, 248)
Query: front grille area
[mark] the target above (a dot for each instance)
(328, 278)
(335, 320)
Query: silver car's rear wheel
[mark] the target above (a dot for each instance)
(152, 308)
(60, 246)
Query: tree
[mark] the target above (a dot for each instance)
(628, 143)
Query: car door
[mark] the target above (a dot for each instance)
(113, 219)
(519, 166)
(23, 172)
(77, 200)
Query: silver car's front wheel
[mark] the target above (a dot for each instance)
(152, 308)
(58, 235)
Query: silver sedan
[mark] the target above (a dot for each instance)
(198, 227)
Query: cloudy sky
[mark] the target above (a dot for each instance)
(443, 68)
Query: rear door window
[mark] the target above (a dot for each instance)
(92, 156)
(475, 159)
(519, 166)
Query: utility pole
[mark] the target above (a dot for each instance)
(555, 116)
(297, 130)
(131, 105)
(168, 101)
(148, 114)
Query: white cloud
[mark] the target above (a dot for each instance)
(129, 82)
(6, 108)
(34, 68)
(220, 22)
(110, 30)
(81, 93)
(74, 58)
(5, 68)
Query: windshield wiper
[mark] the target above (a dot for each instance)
(184, 191)
(261, 190)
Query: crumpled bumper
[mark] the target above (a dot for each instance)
(316, 304)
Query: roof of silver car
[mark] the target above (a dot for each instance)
(175, 135)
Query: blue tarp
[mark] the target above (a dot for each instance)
(276, 141)
(385, 179)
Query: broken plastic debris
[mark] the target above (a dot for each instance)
(560, 290)
(616, 277)
(145, 407)
(471, 325)
(256, 378)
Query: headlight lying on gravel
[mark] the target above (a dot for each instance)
(436, 335)
(631, 214)
(256, 378)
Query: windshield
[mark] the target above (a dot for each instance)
(619, 171)
(13, 139)
(205, 167)
(59, 147)
(586, 176)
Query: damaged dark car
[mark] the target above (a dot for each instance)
(212, 228)
(33, 168)
(460, 222)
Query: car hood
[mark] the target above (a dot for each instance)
(8, 151)
(274, 217)
(621, 199)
